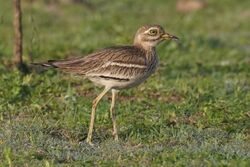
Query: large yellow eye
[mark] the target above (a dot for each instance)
(153, 32)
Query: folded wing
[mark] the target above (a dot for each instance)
(122, 62)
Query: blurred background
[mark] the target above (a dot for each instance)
(194, 110)
(54, 28)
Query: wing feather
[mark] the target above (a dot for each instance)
(125, 61)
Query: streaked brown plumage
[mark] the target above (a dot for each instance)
(117, 67)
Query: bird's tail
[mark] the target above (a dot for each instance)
(49, 63)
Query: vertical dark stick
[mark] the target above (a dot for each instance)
(17, 23)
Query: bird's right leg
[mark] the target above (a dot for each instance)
(113, 115)
(91, 124)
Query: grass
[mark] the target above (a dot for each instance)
(194, 111)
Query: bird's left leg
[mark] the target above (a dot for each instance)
(91, 124)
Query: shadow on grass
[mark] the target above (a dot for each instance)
(62, 146)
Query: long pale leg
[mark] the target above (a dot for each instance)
(91, 124)
(113, 116)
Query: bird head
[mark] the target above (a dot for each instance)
(150, 36)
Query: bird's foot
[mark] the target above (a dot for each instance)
(89, 142)
(116, 137)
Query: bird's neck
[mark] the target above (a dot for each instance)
(143, 44)
(150, 53)
(146, 48)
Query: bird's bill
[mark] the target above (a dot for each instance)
(171, 37)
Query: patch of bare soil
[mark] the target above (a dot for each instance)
(186, 6)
